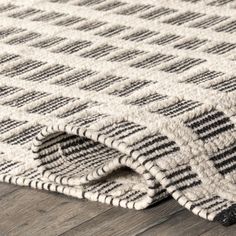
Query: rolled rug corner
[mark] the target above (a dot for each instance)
(121, 102)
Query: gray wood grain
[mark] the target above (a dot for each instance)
(218, 230)
(6, 189)
(31, 212)
(118, 221)
(182, 223)
(28, 212)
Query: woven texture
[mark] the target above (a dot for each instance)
(123, 102)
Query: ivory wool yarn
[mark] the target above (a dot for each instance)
(121, 101)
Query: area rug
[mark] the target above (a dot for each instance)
(123, 102)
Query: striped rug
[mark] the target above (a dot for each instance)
(123, 102)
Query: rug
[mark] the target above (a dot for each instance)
(120, 101)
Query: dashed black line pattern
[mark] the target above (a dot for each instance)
(227, 85)
(178, 108)
(157, 13)
(93, 86)
(102, 83)
(183, 65)
(152, 61)
(9, 31)
(203, 77)
(24, 99)
(129, 88)
(100, 51)
(110, 6)
(7, 91)
(47, 73)
(209, 22)
(21, 68)
(23, 38)
(140, 35)
(25, 13)
(90, 25)
(191, 44)
(73, 47)
(210, 124)
(7, 7)
(50, 105)
(49, 42)
(8, 124)
(74, 78)
(183, 18)
(131, 10)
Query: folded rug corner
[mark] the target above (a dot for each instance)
(121, 102)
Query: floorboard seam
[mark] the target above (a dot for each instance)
(84, 222)
(159, 222)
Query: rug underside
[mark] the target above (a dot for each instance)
(120, 101)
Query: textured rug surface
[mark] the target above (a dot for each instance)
(123, 102)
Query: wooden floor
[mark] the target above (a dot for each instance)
(30, 212)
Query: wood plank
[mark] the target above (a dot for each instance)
(221, 231)
(119, 221)
(33, 212)
(25, 211)
(6, 189)
(183, 223)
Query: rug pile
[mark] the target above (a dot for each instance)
(123, 102)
